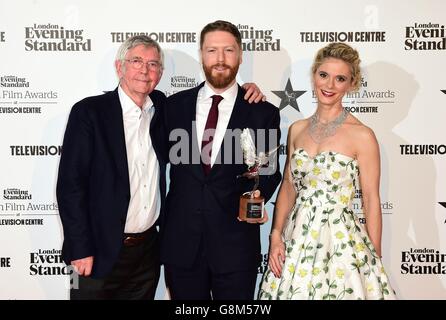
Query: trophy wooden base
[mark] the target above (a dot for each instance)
(251, 209)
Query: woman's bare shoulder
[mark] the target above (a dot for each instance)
(358, 128)
(298, 125)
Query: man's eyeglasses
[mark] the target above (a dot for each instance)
(138, 64)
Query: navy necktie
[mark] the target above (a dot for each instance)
(208, 136)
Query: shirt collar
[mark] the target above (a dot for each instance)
(228, 95)
(128, 104)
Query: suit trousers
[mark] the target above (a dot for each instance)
(200, 283)
(134, 276)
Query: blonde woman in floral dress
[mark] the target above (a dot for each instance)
(318, 247)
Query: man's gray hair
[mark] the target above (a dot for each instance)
(136, 41)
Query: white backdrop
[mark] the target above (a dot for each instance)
(402, 46)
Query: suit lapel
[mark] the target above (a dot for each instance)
(238, 120)
(241, 111)
(190, 117)
(114, 128)
(157, 131)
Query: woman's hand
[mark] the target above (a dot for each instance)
(276, 257)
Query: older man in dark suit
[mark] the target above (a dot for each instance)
(111, 183)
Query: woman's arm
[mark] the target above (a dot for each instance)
(285, 201)
(370, 170)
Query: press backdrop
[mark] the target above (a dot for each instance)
(54, 53)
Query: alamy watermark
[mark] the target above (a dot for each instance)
(182, 149)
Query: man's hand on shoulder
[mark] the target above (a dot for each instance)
(253, 93)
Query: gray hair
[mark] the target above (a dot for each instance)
(134, 41)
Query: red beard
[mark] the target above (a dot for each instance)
(220, 81)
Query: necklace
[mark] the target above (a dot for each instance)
(320, 131)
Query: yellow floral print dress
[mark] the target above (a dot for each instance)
(329, 255)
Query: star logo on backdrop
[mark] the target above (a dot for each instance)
(288, 96)
(444, 91)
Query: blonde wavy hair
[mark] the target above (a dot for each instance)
(344, 52)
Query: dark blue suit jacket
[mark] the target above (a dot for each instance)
(205, 208)
(93, 189)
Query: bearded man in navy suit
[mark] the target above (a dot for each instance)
(207, 252)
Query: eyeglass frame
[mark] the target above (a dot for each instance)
(151, 65)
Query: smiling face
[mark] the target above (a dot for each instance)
(221, 57)
(138, 83)
(332, 80)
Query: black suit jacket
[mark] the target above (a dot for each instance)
(205, 208)
(93, 189)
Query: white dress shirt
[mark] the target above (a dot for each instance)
(225, 107)
(143, 165)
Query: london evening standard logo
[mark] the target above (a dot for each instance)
(255, 39)
(16, 194)
(11, 81)
(52, 37)
(423, 261)
(425, 36)
(342, 36)
(17, 97)
(179, 83)
(2, 36)
(48, 262)
(160, 37)
(15, 210)
(367, 99)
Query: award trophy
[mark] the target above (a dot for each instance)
(251, 207)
